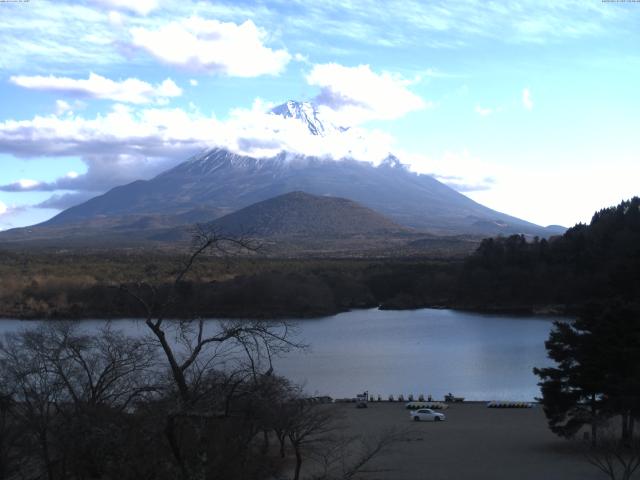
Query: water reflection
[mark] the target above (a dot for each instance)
(426, 351)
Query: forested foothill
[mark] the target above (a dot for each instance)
(519, 274)
(599, 261)
(82, 285)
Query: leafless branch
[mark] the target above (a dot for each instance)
(617, 459)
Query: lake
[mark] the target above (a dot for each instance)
(425, 351)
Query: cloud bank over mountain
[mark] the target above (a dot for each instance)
(354, 95)
(129, 142)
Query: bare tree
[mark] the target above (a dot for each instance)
(347, 457)
(69, 390)
(193, 349)
(196, 348)
(316, 431)
(10, 436)
(617, 459)
(103, 368)
(36, 390)
(309, 427)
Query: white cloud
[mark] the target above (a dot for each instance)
(212, 46)
(131, 90)
(22, 185)
(115, 18)
(141, 7)
(62, 107)
(63, 201)
(27, 183)
(354, 95)
(259, 133)
(8, 214)
(483, 112)
(55, 36)
(193, 82)
(447, 24)
(121, 130)
(128, 144)
(527, 102)
(339, 27)
(460, 170)
(517, 191)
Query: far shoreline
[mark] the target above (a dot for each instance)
(523, 311)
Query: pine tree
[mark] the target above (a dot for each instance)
(597, 372)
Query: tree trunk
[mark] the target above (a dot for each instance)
(265, 442)
(176, 371)
(594, 431)
(298, 462)
(47, 460)
(3, 468)
(594, 420)
(625, 427)
(170, 433)
(281, 439)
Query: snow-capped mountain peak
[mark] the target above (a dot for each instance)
(393, 162)
(309, 114)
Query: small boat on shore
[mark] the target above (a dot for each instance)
(449, 398)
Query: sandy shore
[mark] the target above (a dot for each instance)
(474, 442)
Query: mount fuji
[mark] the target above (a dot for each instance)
(219, 182)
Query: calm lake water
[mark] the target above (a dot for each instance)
(426, 351)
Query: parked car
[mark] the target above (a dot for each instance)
(427, 415)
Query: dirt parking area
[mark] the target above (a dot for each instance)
(475, 442)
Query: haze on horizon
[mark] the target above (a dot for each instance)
(529, 107)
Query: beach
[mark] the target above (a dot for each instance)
(474, 442)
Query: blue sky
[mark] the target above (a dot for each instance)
(528, 106)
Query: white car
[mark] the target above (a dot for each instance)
(427, 415)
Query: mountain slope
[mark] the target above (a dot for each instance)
(224, 182)
(301, 214)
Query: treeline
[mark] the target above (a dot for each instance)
(599, 261)
(236, 288)
(596, 261)
(593, 387)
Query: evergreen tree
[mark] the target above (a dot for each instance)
(597, 373)
(571, 392)
(618, 330)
